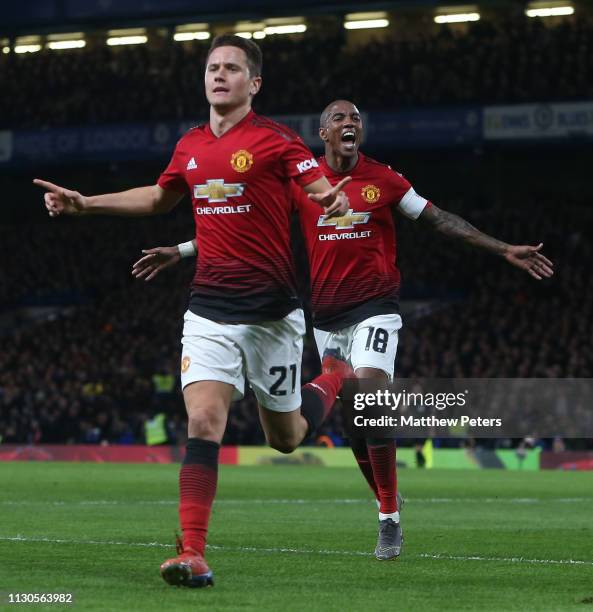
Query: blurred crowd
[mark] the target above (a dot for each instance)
(105, 359)
(512, 61)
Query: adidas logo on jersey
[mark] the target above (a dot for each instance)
(191, 164)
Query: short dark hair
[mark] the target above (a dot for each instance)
(254, 55)
(324, 118)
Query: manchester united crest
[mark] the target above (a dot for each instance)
(241, 160)
(185, 364)
(370, 193)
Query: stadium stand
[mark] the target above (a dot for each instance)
(83, 345)
(87, 373)
(494, 62)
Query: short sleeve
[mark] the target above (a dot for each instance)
(299, 163)
(173, 177)
(407, 201)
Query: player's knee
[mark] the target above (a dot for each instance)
(285, 444)
(283, 447)
(206, 421)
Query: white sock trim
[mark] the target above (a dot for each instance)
(394, 516)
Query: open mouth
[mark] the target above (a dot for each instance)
(349, 138)
(220, 90)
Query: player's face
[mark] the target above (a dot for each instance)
(343, 129)
(227, 81)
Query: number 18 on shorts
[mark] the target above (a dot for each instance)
(372, 343)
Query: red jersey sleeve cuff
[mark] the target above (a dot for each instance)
(168, 185)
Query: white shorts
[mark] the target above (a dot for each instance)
(268, 354)
(372, 343)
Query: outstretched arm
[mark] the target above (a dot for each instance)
(454, 226)
(161, 258)
(138, 202)
(333, 199)
(526, 257)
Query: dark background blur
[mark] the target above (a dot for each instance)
(88, 355)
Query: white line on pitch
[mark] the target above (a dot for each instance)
(300, 551)
(416, 500)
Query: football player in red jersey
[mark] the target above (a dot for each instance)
(355, 280)
(244, 318)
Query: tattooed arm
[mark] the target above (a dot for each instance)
(527, 258)
(454, 226)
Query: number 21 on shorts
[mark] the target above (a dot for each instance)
(281, 384)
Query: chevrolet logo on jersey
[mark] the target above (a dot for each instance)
(216, 190)
(348, 221)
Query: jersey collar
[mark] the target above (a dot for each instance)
(241, 123)
(326, 169)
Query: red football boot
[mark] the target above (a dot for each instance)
(188, 568)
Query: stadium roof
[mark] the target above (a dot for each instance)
(43, 15)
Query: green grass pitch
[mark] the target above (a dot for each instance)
(289, 538)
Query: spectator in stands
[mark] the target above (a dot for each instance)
(482, 325)
(513, 60)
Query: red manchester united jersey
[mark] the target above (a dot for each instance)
(353, 258)
(240, 185)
